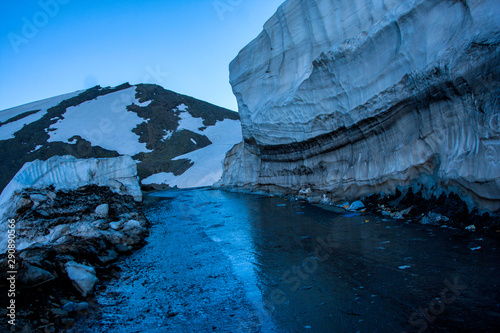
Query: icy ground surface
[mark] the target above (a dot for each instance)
(227, 262)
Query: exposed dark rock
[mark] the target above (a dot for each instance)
(32, 276)
(71, 252)
(447, 210)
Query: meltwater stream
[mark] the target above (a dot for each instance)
(227, 262)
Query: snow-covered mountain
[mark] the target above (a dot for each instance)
(176, 140)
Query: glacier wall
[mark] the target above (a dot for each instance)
(352, 97)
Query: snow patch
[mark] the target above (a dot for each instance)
(182, 107)
(7, 131)
(144, 104)
(160, 178)
(105, 122)
(36, 148)
(167, 136)
(208, 161)
(190, 123)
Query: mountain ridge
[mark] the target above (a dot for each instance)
(102, 122)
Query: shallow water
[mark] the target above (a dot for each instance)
(226, 262)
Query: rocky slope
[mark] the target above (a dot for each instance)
(71, 220)
(155, 126)
(350, 98)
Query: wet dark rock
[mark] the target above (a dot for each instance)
(59, 312)
(121, 248)
(34, 276)
(72, 307)
(449, 210)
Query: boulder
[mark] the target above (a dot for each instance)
(356, 205)
(117, 225)
(37, 198)
(23, 203)
(101, 224)
(72, 307)
(83, 277)
(102, 211)
(110, 256)
(132, 224)
(434, 219)
(59, 231)
(51, 195)
(33, 276)
(59, 312)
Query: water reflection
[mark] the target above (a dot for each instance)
(309, 268)
(303, 269)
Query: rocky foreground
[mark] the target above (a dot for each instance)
(63, 222)
(68, 241)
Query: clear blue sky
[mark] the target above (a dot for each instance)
(68, 45)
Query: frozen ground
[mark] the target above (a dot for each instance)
(227, 262)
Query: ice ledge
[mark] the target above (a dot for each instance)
(70, 173)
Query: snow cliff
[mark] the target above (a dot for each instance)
(69, 173)
(352, 97)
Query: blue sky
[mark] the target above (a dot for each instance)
(52, 47)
